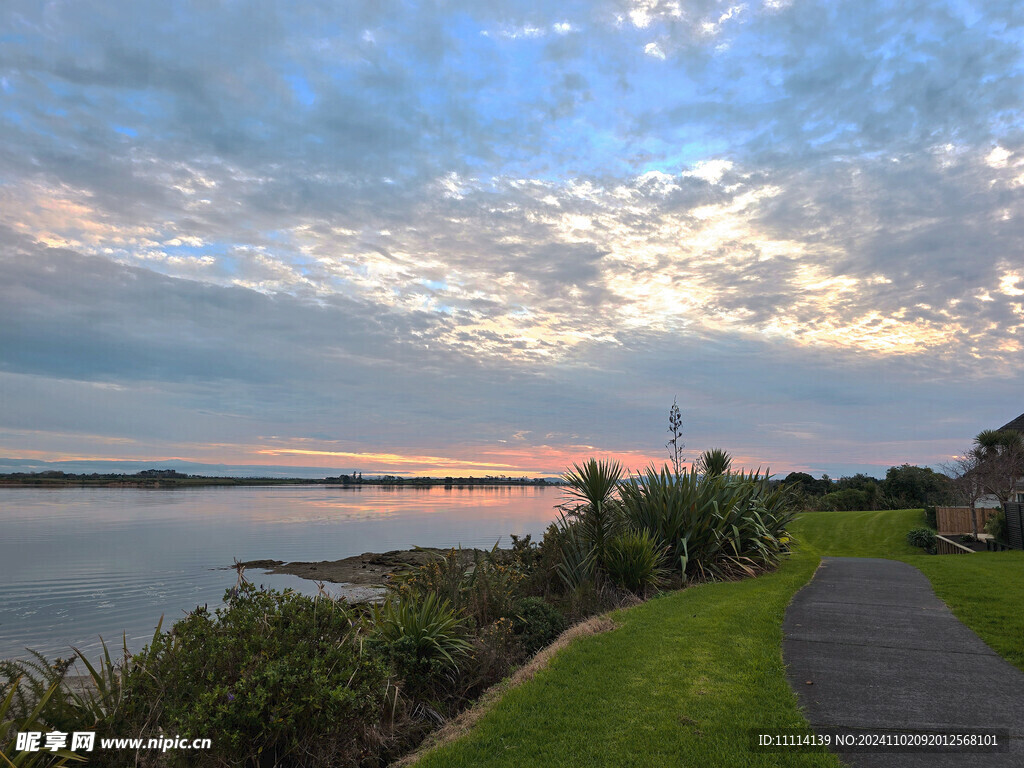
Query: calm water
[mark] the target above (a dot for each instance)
(78, 563)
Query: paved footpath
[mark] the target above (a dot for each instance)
(882, 653)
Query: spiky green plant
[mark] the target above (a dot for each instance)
(37, 676)
(577, 561)
(593, 482)
(711, 526)
(636, 562)
(713, 462)
(426, 624)
(102, 699)
(11, 724)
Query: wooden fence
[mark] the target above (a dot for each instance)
(944, 546)
(958, 519)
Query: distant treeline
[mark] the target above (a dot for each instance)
(167, 478)
(903, 487)
(357, 479)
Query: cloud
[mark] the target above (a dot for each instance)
(654, 51)
(412, 222)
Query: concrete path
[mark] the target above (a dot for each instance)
(869, 647)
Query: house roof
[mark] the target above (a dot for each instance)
(1017, 424)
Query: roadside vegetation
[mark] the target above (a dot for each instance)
(683, 680)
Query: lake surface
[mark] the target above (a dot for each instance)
(78, 563)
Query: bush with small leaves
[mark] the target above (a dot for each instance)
(280, 678)
(536, 623)
(922, 537)
(995, 526)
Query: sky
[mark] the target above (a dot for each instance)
(496, 237)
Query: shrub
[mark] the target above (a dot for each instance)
(536, 623)
(549, 555)
(280, 678)
(711, 526)
(929, 517)
(443, 576)
(496, 650)
(424, 638)
(483, 585)
(996, 526)
(846, 500)
(493, 586)
(922, 537)
(591, 598)
(636, 562)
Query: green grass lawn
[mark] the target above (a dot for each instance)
(984, 590)
(858, 534)
(681, 682)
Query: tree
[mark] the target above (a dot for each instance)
(807, 484)
(912, 486)
(675, 445)
(802, 480)
(594, 484)
(969, 481)
(1002, 453)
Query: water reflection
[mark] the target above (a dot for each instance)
(76, 563)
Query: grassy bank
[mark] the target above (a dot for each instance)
(984, 590)
(685, 677)
(682, 681)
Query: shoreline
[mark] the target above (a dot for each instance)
(361, 577)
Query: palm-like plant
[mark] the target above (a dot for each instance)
(594, 485)
(999, 461)
(594, 482)
(714, 462)
(992, 442)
